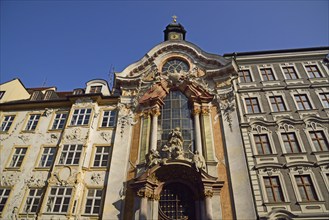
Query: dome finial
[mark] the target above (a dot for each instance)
(174, 19)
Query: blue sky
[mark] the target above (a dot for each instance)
(67, 43)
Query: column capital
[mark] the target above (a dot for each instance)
(196, 110)
(144, 193)
(208, 193)
(155, 111)
(205, 110)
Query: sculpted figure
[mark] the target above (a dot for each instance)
(153, 158)
(198, 161)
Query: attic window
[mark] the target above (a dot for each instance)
(36, 95)
(2, 94)
(48, 95)
(95, 89)
(78, 92)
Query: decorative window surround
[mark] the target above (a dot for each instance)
(250, 84)
(32, 122)
(323, 95)
(245, 76)
(93, 201)
(312, 70)
(313, 126)
(258, 129)
(81, 117)
(6, 123)
(302, 93)
(59, 199)
(291, 71)
(108, 119)
(307, 206)
(278, 95)
(270, 67)
(101, 157)
(16, 159)
(71, 154)
(46, 157)
(4, 196)
(325, 174)
(248, 96)
(59, 121)
(274, 172)
(281, 115)
(285, 127)
(32, 201)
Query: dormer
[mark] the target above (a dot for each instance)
(97, 86)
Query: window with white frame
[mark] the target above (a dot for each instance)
(102, 156)
(319, 140)
(71, 154)
(59, 199)
(267, 74)
(18, 157)
(108, 118)
(59, 121)
(290, 142)
(277, 103)
(306, 189)
(273, 189)
(303, 102)
(245, 76)
(290, 72)
(4, 195)
(324, 97)
(95, 89)
(93, 201)
(32, 122)
(7, 122)
(252, 105)
(47, 157)
(33, 200)
(313, 71)
(262, 144)
(81, 116)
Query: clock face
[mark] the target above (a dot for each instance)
(174, 36)
(175, 65)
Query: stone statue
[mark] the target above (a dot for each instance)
(174, 146)
(198, 161)
(153, 158)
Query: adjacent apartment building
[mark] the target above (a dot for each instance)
(183, 134)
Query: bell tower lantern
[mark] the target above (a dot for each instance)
(174, 31)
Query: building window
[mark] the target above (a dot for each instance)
(94, 200)
(108, 119)
(319, 140)
(303, 103)
(324, 97)
(273, 189)
(7, 122)
(71, 154)
(306, 188)
(81, 116)
(267, 74)
(290, 142)
(244, 76)
(102, 156)
(252, 105)
(175, 65)
(176, 113)
(290, 72)
(32, 122)
(4, 195)
(33, 201)
(2, 93)
(59, 199)
(277, 103)
(47, 157)
(18, 157)
(262, 144)
(95, 89)
(59, 121)
(313, 71)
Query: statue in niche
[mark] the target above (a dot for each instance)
(198, 161)
(174, 147)
(153, 158)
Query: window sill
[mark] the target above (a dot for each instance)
(13, 169)
(55, 130)
(98, 168)
(42, 168)
(271, 83)
(24, 132)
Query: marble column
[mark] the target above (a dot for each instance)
(208, 204)
(154, 129)
(143, 194)
(197, 131)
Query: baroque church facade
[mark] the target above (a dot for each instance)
(183, 134)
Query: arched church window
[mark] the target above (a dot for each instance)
(175, 65)
(176, 202)
(176, 113)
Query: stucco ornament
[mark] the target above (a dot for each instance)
(153, 158)
(126, 117)
(35, 182)
(47, 112)
(9, 179)
(24, 138)
(225, 105)
(75, 134)
(106, 136)
(97, 178)
(65, 176)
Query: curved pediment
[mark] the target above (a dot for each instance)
(201, 63)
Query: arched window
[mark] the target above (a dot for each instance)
(176, 202)
(176, 113)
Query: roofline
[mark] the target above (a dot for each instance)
(276, 51)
